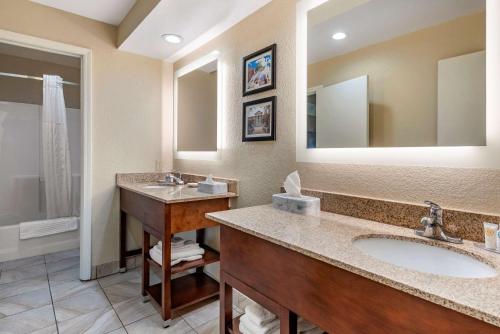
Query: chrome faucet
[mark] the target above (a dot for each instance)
(174, 180)
(433, 225)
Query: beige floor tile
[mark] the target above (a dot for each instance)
(63, 264)
(103, 320)
(124, 291)
(153, 325)
(72, 274)
(55, 257)
(119, 331)
(63, 289)
(23, 286)
(29, 261)
(201, 314)
(81, 303)
(134, 309)
(24, 302)
(47, 330)
(29, 321)
(129, 276)
(22, 273)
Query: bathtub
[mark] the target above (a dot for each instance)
(12, 248)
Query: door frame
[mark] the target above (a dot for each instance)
(85, 55)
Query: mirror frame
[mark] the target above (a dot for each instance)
(200, 155)
(457, 156)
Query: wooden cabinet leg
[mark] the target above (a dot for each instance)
(123, 241)
(166, 305)
(288, 321)
(226, 306)
(145, 263)
(200, 239)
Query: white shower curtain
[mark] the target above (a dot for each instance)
(55, 149)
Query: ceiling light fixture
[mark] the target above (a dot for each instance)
(172, 38)
(339, 35)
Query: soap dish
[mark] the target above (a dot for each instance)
(304, 205)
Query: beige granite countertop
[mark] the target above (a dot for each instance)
(329, 237)
(171, 194)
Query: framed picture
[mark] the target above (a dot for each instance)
(259, 71)
(259, 119)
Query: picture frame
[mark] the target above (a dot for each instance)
(259, 120)
(259, 71)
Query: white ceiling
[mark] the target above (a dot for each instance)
(108, 11)
(380, 20)
(197, 21)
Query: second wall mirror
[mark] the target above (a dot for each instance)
(396, 73)
(197, 109)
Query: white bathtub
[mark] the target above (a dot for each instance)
(13, 248)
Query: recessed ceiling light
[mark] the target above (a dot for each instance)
(339, 35)
(172, 38)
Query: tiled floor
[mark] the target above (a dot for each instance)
(43, 295)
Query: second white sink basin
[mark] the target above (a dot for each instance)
(424, 258)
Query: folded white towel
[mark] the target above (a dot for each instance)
(304, 326)
(258, 315)
(250, 328)
(186, 259)
(157, 257)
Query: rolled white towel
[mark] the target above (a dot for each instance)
(251, 328)
(258, 315)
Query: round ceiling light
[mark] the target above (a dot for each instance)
(172, 38)
(339, 35)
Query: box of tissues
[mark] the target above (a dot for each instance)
(293, 201)
(210, 186)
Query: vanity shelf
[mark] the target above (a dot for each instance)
(210, 256)
(162, 219)
(186, 290)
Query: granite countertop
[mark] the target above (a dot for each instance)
(171, 194)
(329, 237)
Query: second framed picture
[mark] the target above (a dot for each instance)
(259, 119)
(259, 71)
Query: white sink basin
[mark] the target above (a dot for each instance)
(424, 258)
(156, 187)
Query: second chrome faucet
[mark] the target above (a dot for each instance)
(433, 225)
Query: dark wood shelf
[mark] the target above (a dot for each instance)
(210, 256)
(187, 290)
(236, 325)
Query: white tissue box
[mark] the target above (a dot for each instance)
(304, 205)
(212, 187)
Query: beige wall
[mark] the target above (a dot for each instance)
(402, 75)
(197, 111)
(31, 91)
(261, 167)
(127, 110)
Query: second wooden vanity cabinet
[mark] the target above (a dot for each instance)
(162, 220)
(289, 283)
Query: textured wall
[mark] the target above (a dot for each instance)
(126, 107)
(261, 167)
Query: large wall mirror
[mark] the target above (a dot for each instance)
(197, 109)
(396, 73)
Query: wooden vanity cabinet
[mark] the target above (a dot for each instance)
(338, 301)
(162, 220)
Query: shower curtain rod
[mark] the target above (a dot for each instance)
(13, 75)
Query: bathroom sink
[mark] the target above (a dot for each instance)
(424, 258)
(157, 186)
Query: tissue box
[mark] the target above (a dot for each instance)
(212, 187)
(304, 205)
